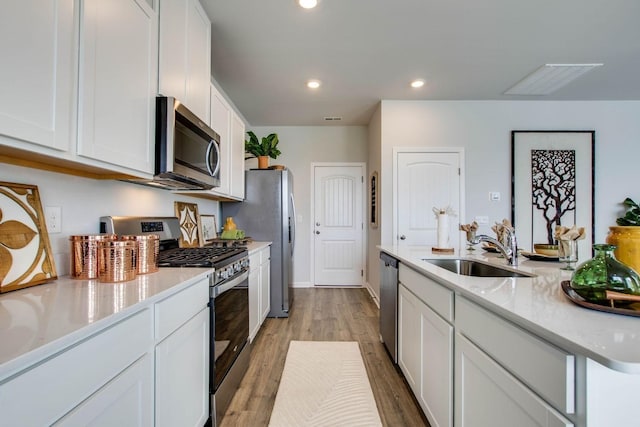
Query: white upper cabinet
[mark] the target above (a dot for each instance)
(38, 72)
(118, 82)
(221, 114)
(185, 54)
(237, 157)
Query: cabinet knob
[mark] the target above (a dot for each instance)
(317, 232)
(403, 237)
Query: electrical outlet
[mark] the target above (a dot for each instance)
(482, 219)
(53, 219)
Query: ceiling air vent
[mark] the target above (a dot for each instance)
(332, 119)
(549, 78)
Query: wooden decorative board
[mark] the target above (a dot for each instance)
(25, 251)
(190, 234)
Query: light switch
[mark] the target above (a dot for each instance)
(494, 196)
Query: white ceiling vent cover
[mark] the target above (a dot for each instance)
(332, 119)
(549, 78)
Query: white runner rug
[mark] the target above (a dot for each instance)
(324, 383)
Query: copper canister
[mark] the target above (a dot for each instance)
(117, 260)
(148, 249)
(84, 255)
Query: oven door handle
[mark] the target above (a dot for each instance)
(219, 289)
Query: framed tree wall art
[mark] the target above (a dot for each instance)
(552, 184)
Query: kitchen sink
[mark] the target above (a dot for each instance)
(468, 267)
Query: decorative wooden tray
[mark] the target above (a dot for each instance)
(228, 243)
(631, 309)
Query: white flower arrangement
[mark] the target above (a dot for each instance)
(448, 210)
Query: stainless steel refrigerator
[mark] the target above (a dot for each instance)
(268, 214)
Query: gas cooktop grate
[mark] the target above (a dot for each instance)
(205, 257)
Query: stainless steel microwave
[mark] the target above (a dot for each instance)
(187, 150)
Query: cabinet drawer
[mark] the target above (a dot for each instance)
(548, 370)
(60, 383)
(436, 296)
(179, 308)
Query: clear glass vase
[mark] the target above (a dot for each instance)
(594, 278)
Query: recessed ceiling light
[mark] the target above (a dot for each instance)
(308, 4)
(417, 83)
(549, 78)
(313, 84)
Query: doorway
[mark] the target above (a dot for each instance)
(337, 249)
(427, 178)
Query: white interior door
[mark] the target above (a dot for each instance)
(338, 225)
(426, 180)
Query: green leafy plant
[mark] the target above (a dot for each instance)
(632, 216)
(268, 146)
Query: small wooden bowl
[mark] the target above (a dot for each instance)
(545, 249)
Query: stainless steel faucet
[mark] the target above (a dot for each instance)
(509, 249)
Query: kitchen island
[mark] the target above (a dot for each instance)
(514, 343)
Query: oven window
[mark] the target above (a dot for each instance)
(231, 311)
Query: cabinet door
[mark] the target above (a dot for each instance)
(185, 54)
(237, 156)
(487, 395)
(409, 336)
(118, 82)
(265, 284)
(182, 375)
(425, 355)
(38, 72)
(254, 302)
(125, 400)
(198, 60)
(221, 123)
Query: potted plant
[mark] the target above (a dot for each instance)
(626, 235)
(263, 149)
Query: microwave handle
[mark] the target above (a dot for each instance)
(212, 144)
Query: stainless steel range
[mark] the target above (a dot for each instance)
(229, 348)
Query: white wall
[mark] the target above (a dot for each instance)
(483, 129)
(300, 146)
(84, 201)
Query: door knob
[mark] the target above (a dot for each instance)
(317, 232)
(403, 237)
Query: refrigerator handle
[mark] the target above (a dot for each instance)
(292, 224)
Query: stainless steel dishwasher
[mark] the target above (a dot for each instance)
(389, 304)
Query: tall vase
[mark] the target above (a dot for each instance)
(443, 231)
(263, 162)
(626, 239)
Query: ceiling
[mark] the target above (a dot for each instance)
(364, 51)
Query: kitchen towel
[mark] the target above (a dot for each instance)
(324, 383)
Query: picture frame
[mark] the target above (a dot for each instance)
(209, 227)
(373, 200)
(26, 258)
(190, 232)
(552, 183)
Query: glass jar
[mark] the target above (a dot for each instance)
(592, 279)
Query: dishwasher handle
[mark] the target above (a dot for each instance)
(388, 260)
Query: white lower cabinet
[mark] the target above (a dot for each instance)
(259, 289)
(488, 395)
(125, 400)
(182, 374)
(425, 355)
(84, 374)
(149, 368)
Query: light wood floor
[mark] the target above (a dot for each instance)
(322, 315)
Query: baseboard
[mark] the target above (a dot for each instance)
(301, 285)
(374, 297)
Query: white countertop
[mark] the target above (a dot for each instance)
(38, 321)
(539, 305)
(253, 247)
